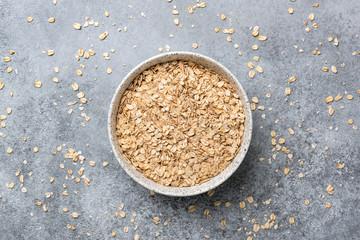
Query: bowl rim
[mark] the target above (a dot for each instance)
(139, 177)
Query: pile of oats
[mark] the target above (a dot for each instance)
(180, 124)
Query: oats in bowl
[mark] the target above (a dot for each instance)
(180, 124)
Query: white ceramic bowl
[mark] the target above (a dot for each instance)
(179, 191)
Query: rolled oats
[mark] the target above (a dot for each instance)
(180, 124)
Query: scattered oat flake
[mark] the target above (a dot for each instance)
(259, 69)
(256, 227)
(349, 97)
(292, 79)
(192, 208)
(311, 16)
(202, 5)
(288, 91)
(330, 189)
(156, 220)
(291, 131)
(255, 99)
(9, 150)
(11, 185)
(103, 35)
(50, 52)
(291, 10)
(51, 20)
(252, 74)
(217, 203)
(338, 97)
(255, 31)
(334, 69)
(250, 65)
(210, 193)
(328, 205)
(38, 84)
(190, 9)
(223, 222)
(74, 86)
(223, 17)
(252, 106)
(340, 166)
(329, 99)
(291, 220)
(109, 70)
(30, 19)
(194, 45)
(79, 72)
(77, 26)
(262, 38)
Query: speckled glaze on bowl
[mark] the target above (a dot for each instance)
(179, 191)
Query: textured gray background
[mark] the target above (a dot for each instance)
(48, 126)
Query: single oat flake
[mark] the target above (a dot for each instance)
(180, 124)
(103, 35)
(77, 26)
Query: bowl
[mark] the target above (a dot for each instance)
(139, 177)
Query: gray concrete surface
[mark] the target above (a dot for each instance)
(47, 126)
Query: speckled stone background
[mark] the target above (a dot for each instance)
(40, 115)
